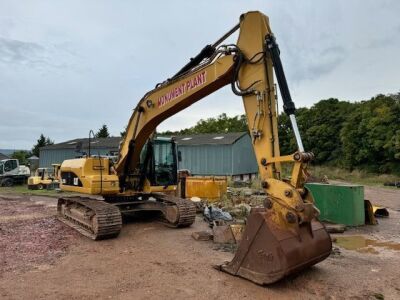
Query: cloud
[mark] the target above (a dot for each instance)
(387, 38)
(323, 62)
(33, 55)
(14, 51)
(314, 62)
(19, 125)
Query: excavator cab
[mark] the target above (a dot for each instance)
(159, 166)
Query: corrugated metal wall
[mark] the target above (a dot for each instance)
(234, 159)
(244, 159)
(57, 156)
(206, 159)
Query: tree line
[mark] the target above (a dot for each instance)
(363, 135)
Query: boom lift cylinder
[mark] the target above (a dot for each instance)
(288, 104)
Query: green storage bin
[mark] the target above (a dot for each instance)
(342, 204)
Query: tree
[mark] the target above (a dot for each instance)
(41, 142)
(122, 133)
(371, 135)
(319, 127)
(22, 156)
(325, 120)
(220, 124)
(49, 141)
(103, 132)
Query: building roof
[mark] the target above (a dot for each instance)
(95, 143)
(209, 138)
(3, 156)
(191, 139)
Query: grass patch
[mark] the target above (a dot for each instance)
(356, 176)
(333, 173)
(23, 190)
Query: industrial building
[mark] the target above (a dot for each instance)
(229, 154)
(57, 153)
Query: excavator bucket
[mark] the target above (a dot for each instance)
(267, 253)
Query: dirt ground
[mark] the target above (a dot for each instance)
(40, 258)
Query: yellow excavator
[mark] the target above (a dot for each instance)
(281, 238)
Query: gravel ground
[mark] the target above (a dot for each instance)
(43, 259)
(30, 235)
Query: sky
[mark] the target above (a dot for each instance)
(70, 66)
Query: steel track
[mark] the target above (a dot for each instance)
(106, 218)
(103, 220)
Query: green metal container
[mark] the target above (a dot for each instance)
(342, 204)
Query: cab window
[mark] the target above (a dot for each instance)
(10, 165)
(164, 163)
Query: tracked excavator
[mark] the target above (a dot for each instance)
(281, 238)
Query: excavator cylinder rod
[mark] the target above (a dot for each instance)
(296, 132)
(268, 253)
(226, 35)
(206, 52)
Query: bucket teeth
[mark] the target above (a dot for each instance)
(267, 253)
